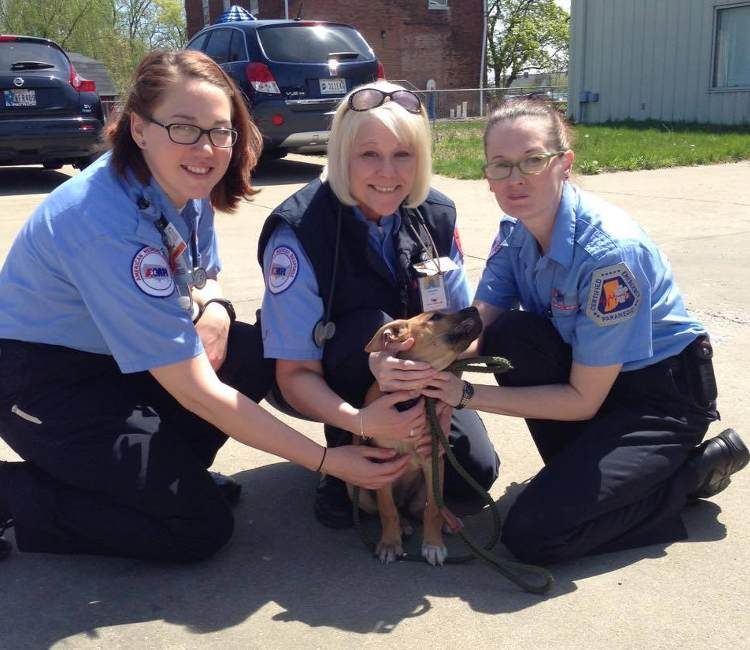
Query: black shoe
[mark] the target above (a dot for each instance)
(229, 488)
(332, 507)
(715, 461)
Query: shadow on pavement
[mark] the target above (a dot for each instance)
(282, 171)
(279, 556)
(29, 180)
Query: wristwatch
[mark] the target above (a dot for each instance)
(224, 303)
(467, 395)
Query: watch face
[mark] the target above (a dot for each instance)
(199, 277)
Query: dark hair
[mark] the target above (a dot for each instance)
(559, 133)
(156, 73)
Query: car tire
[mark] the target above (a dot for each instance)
(52, 164)
(82, 163)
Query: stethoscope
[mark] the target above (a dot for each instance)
(325, 328)
(187, 274)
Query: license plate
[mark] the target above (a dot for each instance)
(332, 86)
(21, 97)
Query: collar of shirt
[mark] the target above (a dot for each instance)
(564, 228)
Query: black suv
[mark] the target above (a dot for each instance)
(48, 114)
(293, 74)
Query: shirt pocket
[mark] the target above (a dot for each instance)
(564, 311)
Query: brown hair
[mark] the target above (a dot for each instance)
(158, 71)
(559, 133)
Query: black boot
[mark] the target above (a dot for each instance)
(714, 461)
(332, 507)
(229, 488)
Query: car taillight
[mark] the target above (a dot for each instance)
(6, 39)
(381, 71)
(79, 83)
(261, 78)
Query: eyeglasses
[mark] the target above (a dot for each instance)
(220, 136)
(369, 98)
(536, 164)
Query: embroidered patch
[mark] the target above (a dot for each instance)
(558, 302)
(284, 267)
(151, 272)
(614, 296)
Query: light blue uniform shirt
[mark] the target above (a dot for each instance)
(292, 309)
(89, 271)
(606, 286)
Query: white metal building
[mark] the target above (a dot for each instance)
(671, 60)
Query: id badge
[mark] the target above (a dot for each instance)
(432, 292)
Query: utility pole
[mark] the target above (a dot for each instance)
(485, 36)
(286, 9)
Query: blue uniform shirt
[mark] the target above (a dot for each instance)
(292, 306)
(606, 286)
(89, 271)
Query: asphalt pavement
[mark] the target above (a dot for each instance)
(286, 582)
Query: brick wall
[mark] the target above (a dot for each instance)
(413, 42)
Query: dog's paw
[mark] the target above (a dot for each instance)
(389, 552)
(435, 555)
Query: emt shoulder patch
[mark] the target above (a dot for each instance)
(151, 273)
(614, 296)
(283, 271)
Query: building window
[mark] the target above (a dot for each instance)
(732, 47)
(437, 4)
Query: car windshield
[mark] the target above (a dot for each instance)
(18, 55)
(313, 43)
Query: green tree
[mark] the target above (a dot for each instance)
(525, 36)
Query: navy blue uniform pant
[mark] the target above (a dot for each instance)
(346, 370)
(112, 463)
(616, 481)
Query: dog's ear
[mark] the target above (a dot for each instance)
(390, 333)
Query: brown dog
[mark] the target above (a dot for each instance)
(438, 340)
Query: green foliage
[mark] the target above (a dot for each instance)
(622, 146)
(116, 32)
(526, 36)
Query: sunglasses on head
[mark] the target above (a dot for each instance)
(369, 98)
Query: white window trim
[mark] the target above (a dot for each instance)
(714, 50)
(437, 4)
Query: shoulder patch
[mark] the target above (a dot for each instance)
(614, 295)
(283, 271)
(151, 274)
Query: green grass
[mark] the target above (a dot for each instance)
(623, 146)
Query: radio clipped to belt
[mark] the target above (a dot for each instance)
(699, 371)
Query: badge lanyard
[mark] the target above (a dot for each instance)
(431, 271)
(186, 276)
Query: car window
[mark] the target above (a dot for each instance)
(17, 51)
(312, 43)
(198, 43)
(218, 45)
(237, 47)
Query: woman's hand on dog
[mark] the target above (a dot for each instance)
(445, 387)
(394, 374)
(368, 467)
(381, 418)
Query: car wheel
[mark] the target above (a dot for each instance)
(82, 163)
(52, 164)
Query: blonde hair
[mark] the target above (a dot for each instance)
(411, 129)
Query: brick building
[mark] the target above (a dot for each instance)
(415, 40)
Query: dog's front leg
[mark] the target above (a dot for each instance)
(389, 548)
(433, 549)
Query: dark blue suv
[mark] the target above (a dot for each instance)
(293, 74)
(48, 113)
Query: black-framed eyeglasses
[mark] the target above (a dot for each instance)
(534, 164)
(368, 98)
(220, 136)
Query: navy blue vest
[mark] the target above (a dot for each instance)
(362, 278)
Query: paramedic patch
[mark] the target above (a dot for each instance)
(151, 272)
(284, 267)
(614, 296)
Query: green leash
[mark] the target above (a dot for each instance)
(513, 571)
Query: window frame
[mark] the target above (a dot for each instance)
(713, 76)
